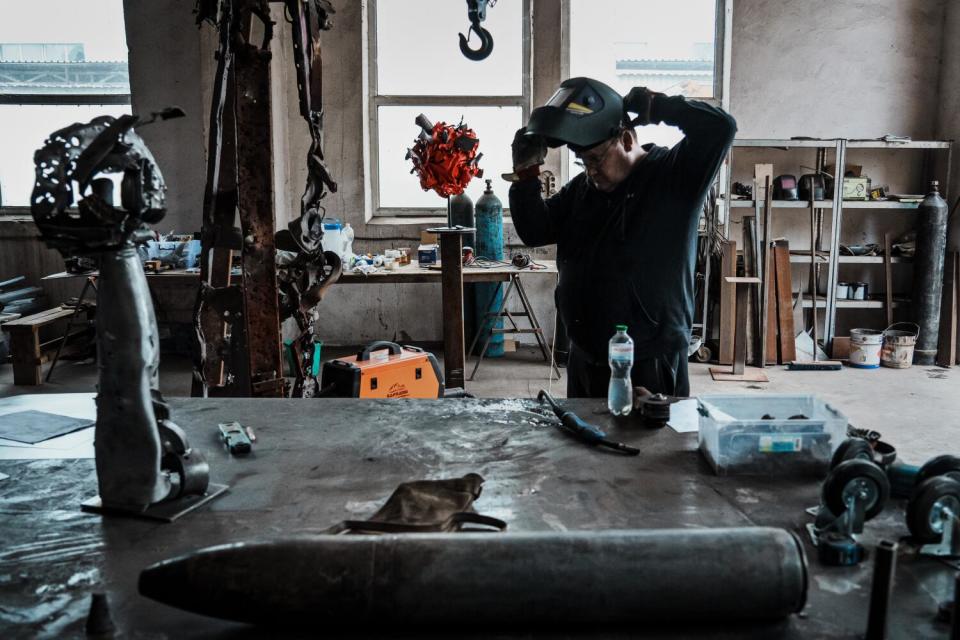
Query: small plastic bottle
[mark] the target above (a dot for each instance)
(347, 247)
(620, 357)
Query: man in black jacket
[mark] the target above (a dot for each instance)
(625, 229)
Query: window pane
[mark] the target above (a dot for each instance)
(23, 128)
(63, 46)
(667, 47)
(494, 126)
(418, 50)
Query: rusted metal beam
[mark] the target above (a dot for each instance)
(257, 221)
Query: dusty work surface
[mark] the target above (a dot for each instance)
(317, 462)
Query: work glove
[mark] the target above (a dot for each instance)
(640, 102)
(528, 149)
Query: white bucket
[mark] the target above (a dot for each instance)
(865, 345)
(898, 345)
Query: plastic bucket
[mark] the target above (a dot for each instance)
(865, 345)
(898, 345)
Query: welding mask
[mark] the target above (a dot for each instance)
(582, 113)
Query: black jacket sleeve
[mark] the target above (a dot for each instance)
(536, 220)
(708, 134)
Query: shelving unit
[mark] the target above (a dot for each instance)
(831, 257)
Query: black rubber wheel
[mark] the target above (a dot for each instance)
(923, 509)
(856, 476)
(937, 467)
(703, 354)
(852, 449)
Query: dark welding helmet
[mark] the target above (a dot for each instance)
(582, 113)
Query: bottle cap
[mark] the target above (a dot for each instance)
(621, 327)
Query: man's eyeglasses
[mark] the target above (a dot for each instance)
(595, 160)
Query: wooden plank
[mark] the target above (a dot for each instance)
(454, 350)
(947, 347)
(765, 315)
(751, 375)
(784, 286)
(888, 277)
(772, 339)
(728, 301)
(736, 280)
(762, 178)
(25, 354)
(40, 319)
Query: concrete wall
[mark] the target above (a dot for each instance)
(948, 123)
(165, 70)
(841, 68)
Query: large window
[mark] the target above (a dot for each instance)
(670, 47)
(416, 67)
(61, 62)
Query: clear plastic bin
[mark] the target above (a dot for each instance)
(769, 434)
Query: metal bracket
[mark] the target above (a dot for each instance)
(949, 545)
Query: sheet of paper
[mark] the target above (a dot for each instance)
(684, 417)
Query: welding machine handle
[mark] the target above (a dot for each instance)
(395, 349)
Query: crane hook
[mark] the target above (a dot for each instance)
(486, 43)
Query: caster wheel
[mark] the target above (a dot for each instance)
(941, 465)
(703, 354)
(852, 449)
(839, 551)
(926, 504)
(856, 477)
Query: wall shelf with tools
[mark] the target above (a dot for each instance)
(826, 241)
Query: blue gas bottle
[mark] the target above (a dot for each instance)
(488, 219)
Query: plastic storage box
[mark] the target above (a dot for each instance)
(769, 434)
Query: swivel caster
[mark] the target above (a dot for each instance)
(933, 516)
(855, 491)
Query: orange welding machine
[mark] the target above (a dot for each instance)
(384, 370)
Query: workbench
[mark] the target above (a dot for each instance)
(318, 462)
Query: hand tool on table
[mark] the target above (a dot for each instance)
(575, 425)
(235, 438)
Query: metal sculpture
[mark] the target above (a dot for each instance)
(143, 458)
(237, 325)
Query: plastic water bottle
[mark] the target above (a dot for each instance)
(620, 357)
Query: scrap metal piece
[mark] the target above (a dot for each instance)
(398, 581)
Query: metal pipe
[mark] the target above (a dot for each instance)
(884, 568)
(955, 627)
(600, 577)
(932, 218)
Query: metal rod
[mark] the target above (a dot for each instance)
(765, 274)
(955, 627)
(884, 569)
(813, 271)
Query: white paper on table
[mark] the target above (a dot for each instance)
(78, 444)
(684, 417)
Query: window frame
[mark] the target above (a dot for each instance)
(375, 101)
(722, 35)
(58, 99)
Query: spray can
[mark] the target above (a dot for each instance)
(489, 244)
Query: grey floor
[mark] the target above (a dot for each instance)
(916, 409)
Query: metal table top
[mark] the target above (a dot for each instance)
(317, 462)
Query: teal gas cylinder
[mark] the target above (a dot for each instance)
(488, 219)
